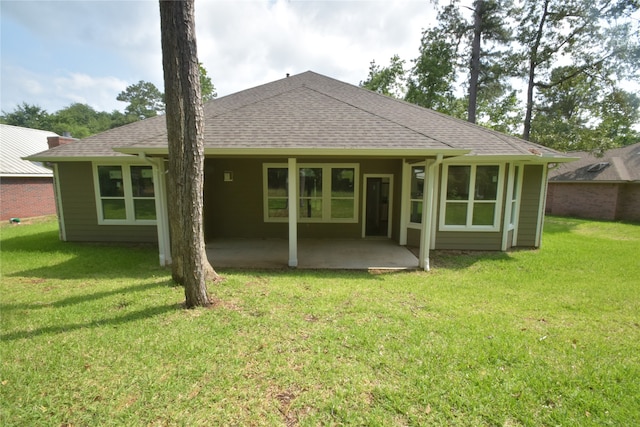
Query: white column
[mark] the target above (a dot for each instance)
(405, 194)
(162, 220)
(293, 213)
(427, 213)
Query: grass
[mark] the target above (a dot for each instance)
(95, 335)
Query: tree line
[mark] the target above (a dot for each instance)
(549, 71)
(143, 100)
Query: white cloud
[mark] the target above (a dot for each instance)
(99, 48)
(53, 92)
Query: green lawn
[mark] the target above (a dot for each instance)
(95, 335)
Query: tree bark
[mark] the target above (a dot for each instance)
(184, 116)
(475, 62)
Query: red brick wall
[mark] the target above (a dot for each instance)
(629, 202)
(26, 197)
(597, 201)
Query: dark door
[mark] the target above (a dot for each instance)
(377, 209)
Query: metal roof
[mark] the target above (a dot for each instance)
(17, 142)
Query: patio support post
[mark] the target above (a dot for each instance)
(162, 220)
(405, 194)
(293, 212)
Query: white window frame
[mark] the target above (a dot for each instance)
(497, 215)
(413, 224)
(326, 193)
(515, 196)
(128, 196)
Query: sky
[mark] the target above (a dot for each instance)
(55, 53)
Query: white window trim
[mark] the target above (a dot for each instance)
(411, 224)
(499, 199)
(517, 188)
(128, 196)
(326, 195)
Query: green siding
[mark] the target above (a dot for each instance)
(529, 205)
(235, 209)
(79, 208)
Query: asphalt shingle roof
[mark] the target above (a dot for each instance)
(618, 164)
(311, 111)
(17, 142)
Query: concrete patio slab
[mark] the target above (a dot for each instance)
(362, 254)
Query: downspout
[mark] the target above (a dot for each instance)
(162, 224)
(59, 208)
(543, 203)
(427, 215)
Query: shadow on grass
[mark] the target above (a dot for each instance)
(96, 323)
(559, 224)
(84, 260)
(85, 297)
(460, 260)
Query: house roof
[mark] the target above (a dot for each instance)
(17, 142)
(616, 165)
(311, 114)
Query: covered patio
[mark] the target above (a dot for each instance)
(350, 254)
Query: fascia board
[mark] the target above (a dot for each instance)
(307, 152)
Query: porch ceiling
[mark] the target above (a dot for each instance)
(352, 254)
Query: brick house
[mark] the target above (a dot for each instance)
(26, 187)
(606, 187)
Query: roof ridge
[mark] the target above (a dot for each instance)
(621, 168)
(503, 137)
(378, 115)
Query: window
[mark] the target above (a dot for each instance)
(277, 193)
(417, 191)
(326, 193)
(125, 194)
(472, 197)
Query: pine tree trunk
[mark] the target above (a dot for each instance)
(533, 64)
(184, 115)
(475, 62)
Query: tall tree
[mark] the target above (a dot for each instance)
(588, 33)
(144, 98)
(80, 120)
(433, 74)
(27, 116)
(184, 116)
(580, 114)
(388, 80)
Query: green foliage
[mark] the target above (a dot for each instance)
(386, 80)
(207, 89)
(579, 115)
(95, 335)
(144, 98)
(432, 77)
(27, 116)
(598, 38)
(524, 41)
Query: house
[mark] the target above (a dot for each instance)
(606, 187)
(26, 187)
(358, 165)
